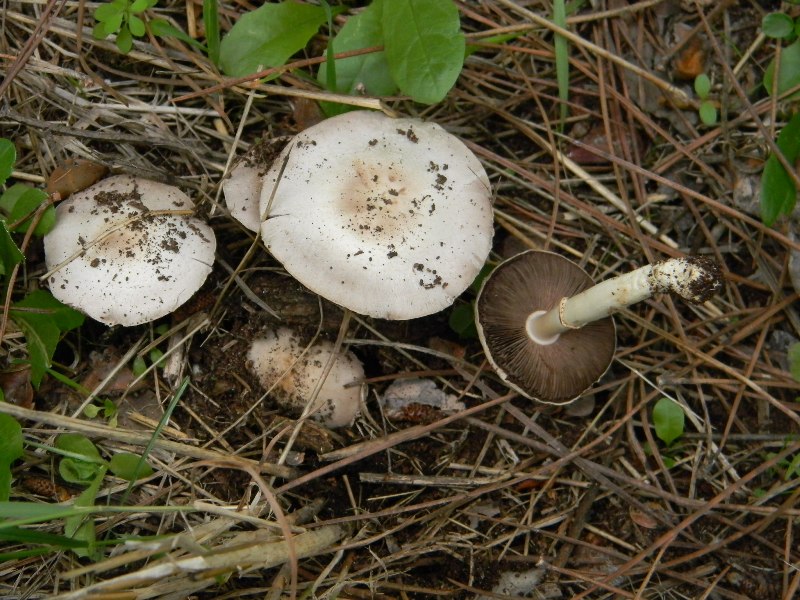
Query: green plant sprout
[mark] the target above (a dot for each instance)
(82, 464)
(707, 110)
(41, 317)
(121, 17)
(668, 421)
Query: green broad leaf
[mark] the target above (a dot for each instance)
(114, 24)
(789, 75)
(139, 366)
(10, 450)
(21, 201)
(41, 336)
(164, 29)
(124, 40)
(462, 321)
(100, 31)
(778, 191)
(129, 467)
(109, 12)
(80, 446)
(424, 47)
(136, 26)
(92, 410)
(702, 86)
(794, 361)
(43, 325)
(365, 74)
(268, 36)
(77, 471)
(708, 113)
(668, 419)
(138, 6)
(10, 254)
(777, 25)
(8, 156)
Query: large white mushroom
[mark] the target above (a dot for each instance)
(390, 218)
(284, 366)
(127, 250)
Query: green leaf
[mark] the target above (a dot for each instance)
(364, 74)
(777, 25)
(79, 445)
(114, 24)
(124, 40)
(138, 6)
(43, 326)
(20, 201)
(10, 450)
(462, 321)
(794, 361)
(77, 471)
(778, 191)
(268, 36)
(8, 156)
(668, 420)
(136, 26)
(424, 47)
(139, 366)
(63, 316)
(100, 31)
(211, 25)
(702, 86)
(164, 29)
(708, 113)
(129, 467)
(789, 75)
(109, 12)
(10, 255)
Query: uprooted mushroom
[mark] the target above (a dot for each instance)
(547, 329)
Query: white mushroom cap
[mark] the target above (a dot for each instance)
(242, 189)
(390, 218)
(110, 258)
(271, 359)
(242, 192)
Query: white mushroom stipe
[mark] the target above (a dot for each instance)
(391, 218)
(127, 251)
(280, 365)
(694, 279)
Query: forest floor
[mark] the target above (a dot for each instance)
(579, 501)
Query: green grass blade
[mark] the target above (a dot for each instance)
(211, 24)
(562, 57)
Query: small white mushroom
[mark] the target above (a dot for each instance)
(390, 218)
(281, 366)
(242, 189)
(127, 251)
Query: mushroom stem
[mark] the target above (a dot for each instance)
(694, 279)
